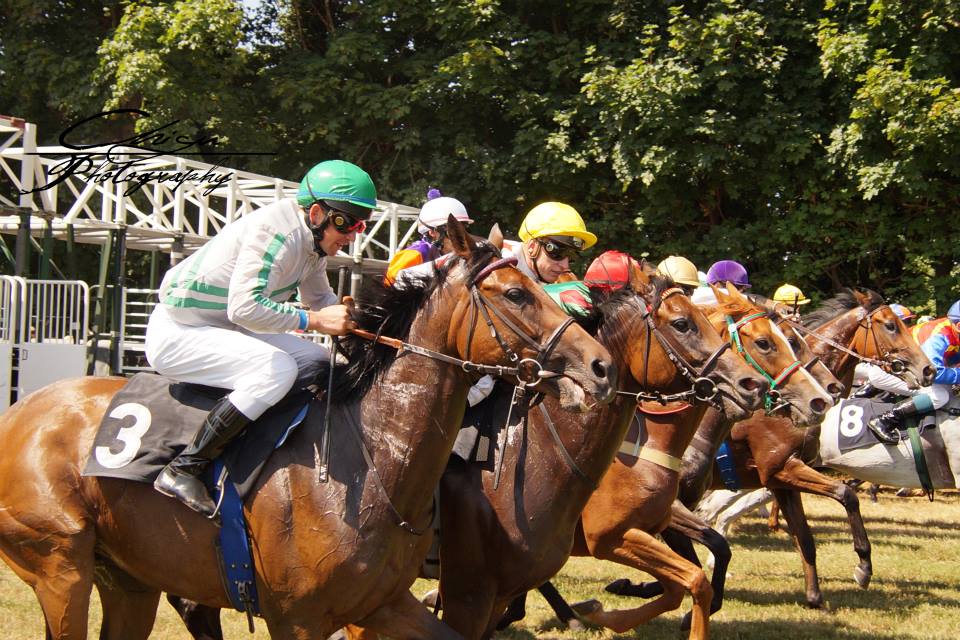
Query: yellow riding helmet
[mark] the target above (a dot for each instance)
(789, 294)
(555, 219)
(680, 269)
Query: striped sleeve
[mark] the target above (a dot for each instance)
(261, 261)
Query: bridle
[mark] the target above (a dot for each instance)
(702, 388)
(772, 400)
(528, 371)
(893, 365)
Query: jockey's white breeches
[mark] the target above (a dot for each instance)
(259, 368)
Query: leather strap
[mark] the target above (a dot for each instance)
(920, 461)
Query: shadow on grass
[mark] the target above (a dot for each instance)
(668, 629)
(902, 596)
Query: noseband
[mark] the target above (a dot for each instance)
(772, 399)
(702, 387)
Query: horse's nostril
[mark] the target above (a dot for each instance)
(818, 406)
(753, 384)
(600, 368)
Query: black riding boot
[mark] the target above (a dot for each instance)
(181, 478)
(887, 425)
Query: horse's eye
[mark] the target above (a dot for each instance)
(794, 344)
(516, 295)
(891, 326)
(763, 344)
(681, 325)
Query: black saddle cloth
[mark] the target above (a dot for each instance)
(152, 419)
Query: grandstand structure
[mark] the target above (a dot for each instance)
(94, 195)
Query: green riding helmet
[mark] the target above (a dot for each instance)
(340, 185)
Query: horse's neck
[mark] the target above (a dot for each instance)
(842, 330)
(673, 433)
(411, 417)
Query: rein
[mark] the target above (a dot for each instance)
(894, 366)
(528, 371)
(771, 400)
(702, 388)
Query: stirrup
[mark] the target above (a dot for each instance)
(876, 426)
(184, 487)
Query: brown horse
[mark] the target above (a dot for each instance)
(635, 497)
(325, 554)
(499, 543)
(686, 527)
(770, 451)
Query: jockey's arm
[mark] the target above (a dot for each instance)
(935, 347)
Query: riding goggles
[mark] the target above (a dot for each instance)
(558, 250)
(346, 224)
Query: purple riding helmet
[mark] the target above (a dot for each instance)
(728, 271)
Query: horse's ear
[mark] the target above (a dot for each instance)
(736, 294)
(639, 279)
(721, 294)
(863, 299)
(496, 236)
(459, 238)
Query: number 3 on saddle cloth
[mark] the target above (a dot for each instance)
(853, 414)
(153, 418)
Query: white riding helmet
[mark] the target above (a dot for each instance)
(436, 211)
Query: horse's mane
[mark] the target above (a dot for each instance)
(389, 311)
(842, 302)
(606, 319)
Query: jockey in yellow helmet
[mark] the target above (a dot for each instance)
(552, 234)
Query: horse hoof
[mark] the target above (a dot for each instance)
(686, 621)
(587, 608)
(429, 600)
(575, 625)
(862, 576)
(815, 602)
(619, 587)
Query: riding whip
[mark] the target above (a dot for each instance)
(334, 343)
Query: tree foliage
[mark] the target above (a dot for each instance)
(811, 140)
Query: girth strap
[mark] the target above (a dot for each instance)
(920, 461)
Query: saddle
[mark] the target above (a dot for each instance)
(151, 419)
(855, 413)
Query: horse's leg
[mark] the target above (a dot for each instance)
(61, 574)
(516, 611)
(773, 518)
(128, 615)
(745, 503)
(353, 632)
(800, 476)
(405, 617)
(792, 509)
(640, 550)
(469, 602)
(685, 527)
(202, 622)
(560, 606)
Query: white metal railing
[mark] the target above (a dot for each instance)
(165, 216)
(44, 328)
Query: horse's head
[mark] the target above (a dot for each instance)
(503, 317)
(881, 335)
(811, 361)
(669, 346)
(755, 335)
